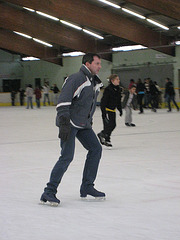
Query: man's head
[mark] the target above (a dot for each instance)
(93, 62)
(132, 89)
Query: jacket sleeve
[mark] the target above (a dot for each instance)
(104, 101)
(134, 102)
(67, 94)
(119, 106)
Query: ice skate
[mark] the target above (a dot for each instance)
(49, 198)
(101, 137)
(108, 144)
(93, 193)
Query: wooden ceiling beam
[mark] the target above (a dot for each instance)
(170, 8)
(92, 16)
(46, 30)
(15, 43)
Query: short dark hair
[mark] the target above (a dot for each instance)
(89, 57)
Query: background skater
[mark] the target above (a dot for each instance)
(170, 94)
(129, 101)
(109, 102)
(76, 106)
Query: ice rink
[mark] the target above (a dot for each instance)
(140, 176)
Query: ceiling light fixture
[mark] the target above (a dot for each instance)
(93, 34)
(22, 34)
(29, 9)
(110, 3)
(178, 27)
(30, 59)
(47, 15)
(71, 25)
(42, 42)
(128, 48)
(133, 13)
(73, 54)
(157, 24)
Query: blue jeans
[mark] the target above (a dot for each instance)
(46, 96)
(88, 139)
(29, 101)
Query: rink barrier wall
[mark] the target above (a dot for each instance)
(5, 98)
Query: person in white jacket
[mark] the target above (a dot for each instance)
(29, 95)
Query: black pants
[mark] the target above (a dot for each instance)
(110, 126)
(169, 99)
(140, 99)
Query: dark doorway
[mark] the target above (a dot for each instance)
(37, 82)
(11, 84)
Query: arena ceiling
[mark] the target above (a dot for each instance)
(115, 25)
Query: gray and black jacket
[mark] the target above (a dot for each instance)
(133, 103)
(78, 97)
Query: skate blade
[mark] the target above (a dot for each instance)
(52, 204)
(93, 199)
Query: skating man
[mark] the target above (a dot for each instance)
(75, 109)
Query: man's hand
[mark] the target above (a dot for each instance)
(64, 128)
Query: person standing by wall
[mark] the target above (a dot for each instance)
(109, 102)
(13, 97)
(140, 88)
(29, 95)
(55, 91)
(75, 109)
(37, 93)
(170, 94)
(21, 96)
(153, 95)
(46, 93)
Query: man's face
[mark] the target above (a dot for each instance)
(133, 90)
(95, 66)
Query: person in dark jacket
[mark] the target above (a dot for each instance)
(170, 94)
(129, 102)
(21, 96)
(153, 95)
(140, 89)
(13, 97)
(109, 102)
(75, 109)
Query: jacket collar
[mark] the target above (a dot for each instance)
(87, 72)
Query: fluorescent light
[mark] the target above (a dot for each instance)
(177, 42)
(110, 3)
(93, 34)
(73, 54)
(71, 25)
(48, 16)
(29, 9)
(157, 24)
(30, 59)
(178, 27)
(129, 48)
(133, 13)
(42, 42)
(22, 34)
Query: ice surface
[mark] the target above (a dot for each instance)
(140, 176)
